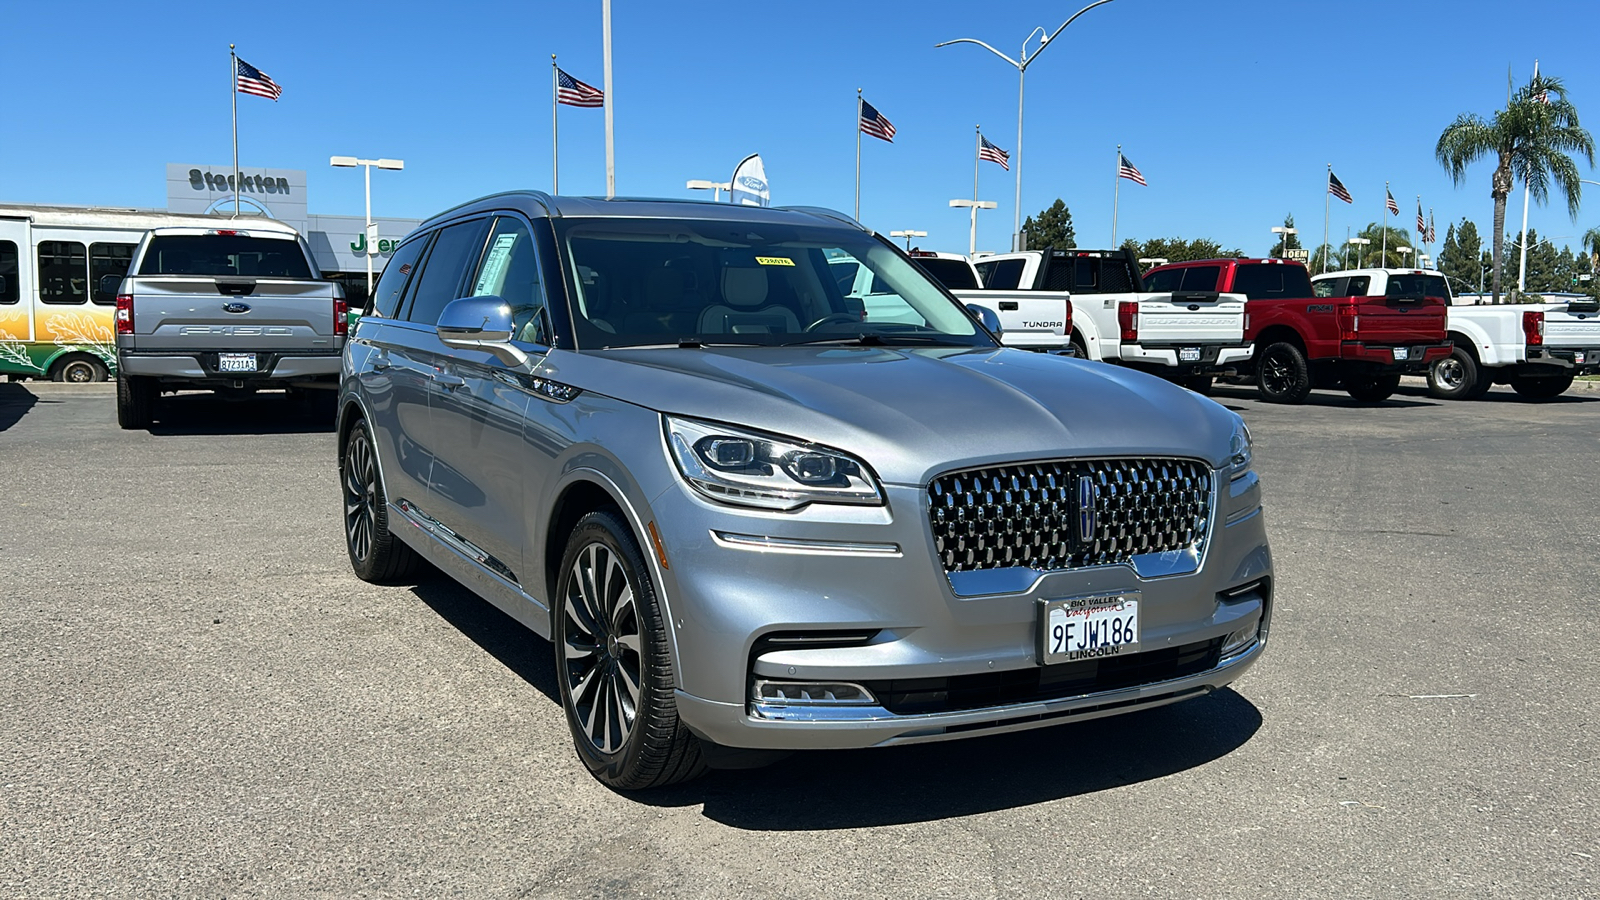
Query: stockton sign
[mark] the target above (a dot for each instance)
(202, 180)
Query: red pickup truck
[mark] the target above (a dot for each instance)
(1331, 336)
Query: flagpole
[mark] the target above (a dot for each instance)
(858, 155)
(1522, 264)
(233, 92)
(611, 159)
(1327, 199)
(977, 151)
(1384, 221)
(555, 144)
(1116, 196)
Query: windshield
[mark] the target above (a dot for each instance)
(641, 282)
(224, 254)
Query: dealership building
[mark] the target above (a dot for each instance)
(337, 242)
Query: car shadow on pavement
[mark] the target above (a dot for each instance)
(526, 654)
(824, 790)
(15, 401)
(207, 413)
(1326, 397)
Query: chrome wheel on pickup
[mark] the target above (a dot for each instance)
(1457, 377)
(613, 665)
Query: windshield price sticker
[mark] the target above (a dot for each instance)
(1084, 628)
(774, 260)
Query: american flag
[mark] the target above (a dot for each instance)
(1394, 208)
(1422, 224)
(1543, 97)
(1336, 187)
(251, 80)
(993, 154)
(1127, 169)
(1431, 234)
(874, 123)
(573, 92)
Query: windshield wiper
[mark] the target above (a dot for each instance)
(875, 339)
(683, 344)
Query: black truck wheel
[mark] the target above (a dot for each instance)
(1372, 388)
(1536, 387)
(1282, 374)
(136, 401)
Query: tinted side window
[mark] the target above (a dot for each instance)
(1004, 276)
(1163, 282)
(108, 259)
(1357, 287)
(510, 271)
(454, 252)
(1258, 282)
(954, 274)
(63, 272)
(1329, 287)
(392, 283)
(10, 270)
(1201, 278)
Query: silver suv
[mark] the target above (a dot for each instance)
(755, 515)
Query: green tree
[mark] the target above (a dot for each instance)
(1461, 258)
(1376, 256)
(1288, 241)
(1051, 231)
(1540, 275)
(1531, 140)
(1176, 249)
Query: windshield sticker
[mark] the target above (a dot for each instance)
(494, 268)
(774, 260)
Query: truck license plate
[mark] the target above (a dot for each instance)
(1080, 628)
(1578, 357)
(236, 362)
(1402, 353)
(1188, 354)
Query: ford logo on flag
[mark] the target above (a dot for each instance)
(235, 307)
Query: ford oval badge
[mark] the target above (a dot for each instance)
(235, 307)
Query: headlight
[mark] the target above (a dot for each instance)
(1240, 453)
(749, 468)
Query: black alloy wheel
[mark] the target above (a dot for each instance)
(376, 555)
(1372, 388)
(613, 665)
(1282, 374)
(1457, 377)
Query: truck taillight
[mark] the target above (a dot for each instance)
(1068, 320)
(1349, 323)
(1128, 320)
(124, 314)
(341, 318)
(1533, 327)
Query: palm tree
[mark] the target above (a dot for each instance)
(1531, 140)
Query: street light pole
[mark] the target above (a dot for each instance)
(1021, 66)
(974, 205)
(908, 235)
(1284, 230)
(370, 236)
(715, 187)
(1359, 243)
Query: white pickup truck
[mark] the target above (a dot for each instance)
(1188, 336)
(1034, 322)
(1536, 348)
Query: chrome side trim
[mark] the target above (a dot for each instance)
(453, 540)
(488, 584)
(768, 544)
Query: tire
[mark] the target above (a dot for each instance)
(1457, 377)
(1200, 384)
(612, 662)
(376, 554)
(1541, 388)
(1079, 349)
(1282, 374)
(136, 401)
(1371, 388)
(79, 370)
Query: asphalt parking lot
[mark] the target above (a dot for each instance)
(197, 697)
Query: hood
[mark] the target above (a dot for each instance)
(913, 413)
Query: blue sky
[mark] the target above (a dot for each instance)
(1232, 109)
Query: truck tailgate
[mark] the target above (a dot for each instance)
(1028, 318)
(176, 312)
(1564, 328)
(1191, 318)
(1398, 320)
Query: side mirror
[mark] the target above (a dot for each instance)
(109, 284)
(480, 323)
(987, 317)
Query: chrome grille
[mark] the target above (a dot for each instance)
(1030, 514)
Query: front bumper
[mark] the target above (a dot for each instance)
(201, 366)
(1418, 357)
(1206, 357)
(738, 579)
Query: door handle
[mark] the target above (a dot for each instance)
(447, 381)
(381, 361)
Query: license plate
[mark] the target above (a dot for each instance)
(236, 362)
(1188, 354)
(1402, 353)
(1082, 628)
(1578, 357)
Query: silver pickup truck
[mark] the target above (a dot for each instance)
(233, 310)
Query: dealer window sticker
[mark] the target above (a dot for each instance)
(494, 268)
